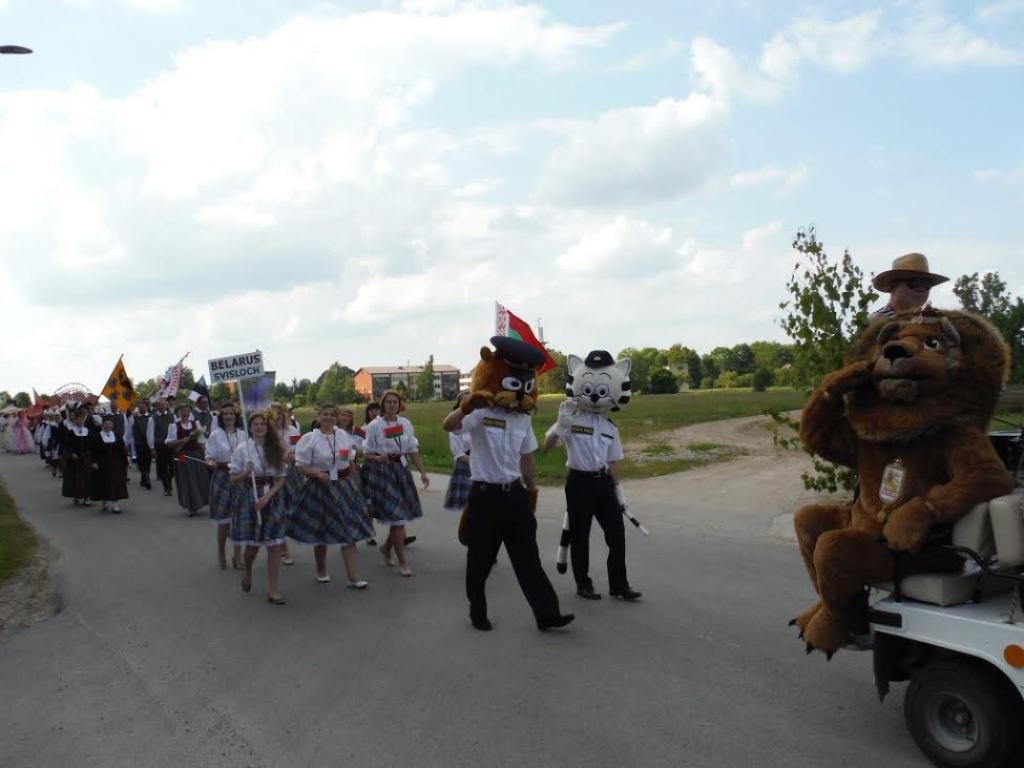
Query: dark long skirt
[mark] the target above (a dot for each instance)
(193, 481)
(110, 481)
(76, 478)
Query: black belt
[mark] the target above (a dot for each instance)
(602, 472)
(503, 487)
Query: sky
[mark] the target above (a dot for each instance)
(361, 181)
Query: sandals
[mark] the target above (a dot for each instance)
(323, 579)
(287, 559)
(358, 584)
(404, 570)
(278, 600)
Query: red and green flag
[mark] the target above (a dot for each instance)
(508, 324)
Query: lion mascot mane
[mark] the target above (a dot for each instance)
(909, 412)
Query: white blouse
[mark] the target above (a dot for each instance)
(390, 437)
(221, 445)
(323, 453)
(172, 431)
(290, 438)
(249, 451)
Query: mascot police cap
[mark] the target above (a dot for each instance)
(517, 353)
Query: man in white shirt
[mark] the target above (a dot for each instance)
(499, 508)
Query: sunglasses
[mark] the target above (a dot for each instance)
(916, 283)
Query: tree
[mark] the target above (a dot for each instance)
(282, 391)
(334, 386)
(642, 364)
(663, 382)
(828, 308)
(709, 371)
(425, 381)
(401, 389)
(188, 378)
(693, 369)
(219, 392)
(989, 297)
(741, 359)
(22, 400)
(5, 397)
(763, 378)
(553, 382)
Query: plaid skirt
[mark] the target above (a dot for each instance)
(392, 493)
(458, 487)
(329, 513)
(223, 497)
(244, 529)
(290, 492)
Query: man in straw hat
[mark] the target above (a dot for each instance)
(907, 283)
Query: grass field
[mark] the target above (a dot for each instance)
(642, 419)
(17, 540)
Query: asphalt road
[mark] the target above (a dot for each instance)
(159, 659)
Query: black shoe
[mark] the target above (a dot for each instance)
(483, 624)
(626, 594)
(588, 593)
(167, 492)
(555, 623)
(409, 540)
(371, 542)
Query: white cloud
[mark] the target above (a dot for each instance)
(477, 188)
(666, 53)
(996, 11)
(719, 72)
(639, 154)
(621, 248)
(933, 38)
(157, 6)
(1005, 175)
(786, 179)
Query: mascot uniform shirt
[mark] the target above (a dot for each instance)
(499, 438)
(592, 442)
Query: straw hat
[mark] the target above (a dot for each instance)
(907, 267)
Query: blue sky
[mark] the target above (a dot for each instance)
(360, 181)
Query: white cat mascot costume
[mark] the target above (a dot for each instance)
(596, 386)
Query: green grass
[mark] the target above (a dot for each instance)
(643, 419)
(17, 539)
(703, 447)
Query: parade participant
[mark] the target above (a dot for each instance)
(203, 415)
(220, 447)
(596, 386)
(457, 495)
(108, 459)
(118, 420)
(92, 419)
(258, 519)
(390, 443)
(290, 437)
(371, 412)
(137, 429)
(503, 494)
(329, 509)
(187, 439)
(22, 441)
(156, 437)
(76, 460)
(908, 284)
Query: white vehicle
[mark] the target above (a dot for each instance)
(959, 641)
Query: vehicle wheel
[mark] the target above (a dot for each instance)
(962, 714)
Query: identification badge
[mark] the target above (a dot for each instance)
(893, 477)
(261, 490)
(495, 423)
(579, 429)
(404, 462)
(334, 474)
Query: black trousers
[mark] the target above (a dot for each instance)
(144, 458)
(588, 498)
(497, 517)
(164, 465)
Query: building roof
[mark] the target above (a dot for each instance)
(381, 370)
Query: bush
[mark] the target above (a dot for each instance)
(663, 382)
(762, 379)
(745, 381)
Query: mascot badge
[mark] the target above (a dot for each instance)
(909, 412)
(597, 385)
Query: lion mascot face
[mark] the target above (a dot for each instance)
(507, 376)
(598, 383)
(928, 369)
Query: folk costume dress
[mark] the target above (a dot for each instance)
(76, 463)
(389, 484)
(191, 474)
(23, 441)
(458, 484)
(220, 447)
(109, 482)
(330, 512)
(247, 528)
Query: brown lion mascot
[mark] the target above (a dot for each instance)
(909, 412)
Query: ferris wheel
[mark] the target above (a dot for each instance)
(73, 390)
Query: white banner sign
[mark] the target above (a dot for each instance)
(236, 367)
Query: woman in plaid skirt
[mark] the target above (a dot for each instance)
(358, 438)
(458, 486)
(290, 437)
(329, 509)
(221, 446)
(258, 519)
(389, 484)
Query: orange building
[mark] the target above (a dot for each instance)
(370, 382)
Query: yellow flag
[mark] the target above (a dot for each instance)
(119, 389)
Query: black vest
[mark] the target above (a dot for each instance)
(161, 423)
(139, 424)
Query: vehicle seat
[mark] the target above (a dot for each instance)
(995, 530)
